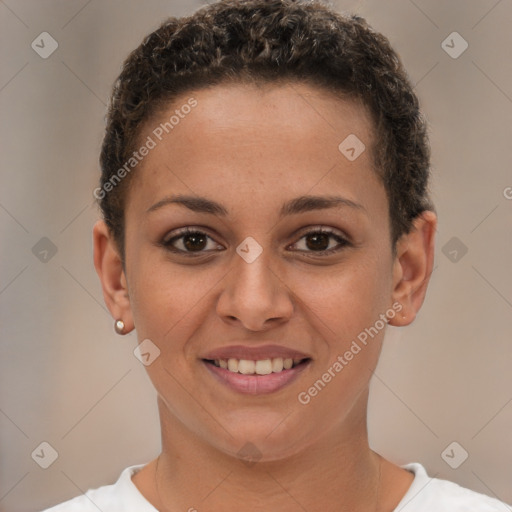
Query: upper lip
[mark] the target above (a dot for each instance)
(254, 353)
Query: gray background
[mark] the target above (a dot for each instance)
(67, 379)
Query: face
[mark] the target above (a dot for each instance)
(250, 236)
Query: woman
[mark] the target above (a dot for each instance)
(265, 215)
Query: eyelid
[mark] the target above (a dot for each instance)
(176, 233)
(321, 228)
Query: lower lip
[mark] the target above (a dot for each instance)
(256, 384)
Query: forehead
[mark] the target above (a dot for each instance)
(265, 140)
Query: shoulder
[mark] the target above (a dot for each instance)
(123, 495)
(427, 494)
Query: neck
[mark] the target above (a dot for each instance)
(339, 472)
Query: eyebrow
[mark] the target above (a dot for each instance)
(300, 204)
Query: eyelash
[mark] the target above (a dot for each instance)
(342, 242)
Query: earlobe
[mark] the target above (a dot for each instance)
(413, 266)
(109, 267)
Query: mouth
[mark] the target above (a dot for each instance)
(259, 366)
(256, 371)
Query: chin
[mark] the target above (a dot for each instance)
(260, 438)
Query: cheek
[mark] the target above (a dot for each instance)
(166, 298)
(345, 310)
(346, 297)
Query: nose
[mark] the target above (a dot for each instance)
(255, 296)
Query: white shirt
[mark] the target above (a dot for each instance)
(424, 495)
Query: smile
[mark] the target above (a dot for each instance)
(258, 367)
(256, 377)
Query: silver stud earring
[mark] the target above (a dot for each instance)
(119, 326)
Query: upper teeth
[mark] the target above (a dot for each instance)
(258, 367)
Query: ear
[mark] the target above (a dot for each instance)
(413, 266)
(109, 267)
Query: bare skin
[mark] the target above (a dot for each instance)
(251, 150)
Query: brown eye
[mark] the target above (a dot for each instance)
(191, 241)
(317, 241)
(195, 241)
(321, 241)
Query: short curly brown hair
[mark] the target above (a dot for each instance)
(272, 41)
